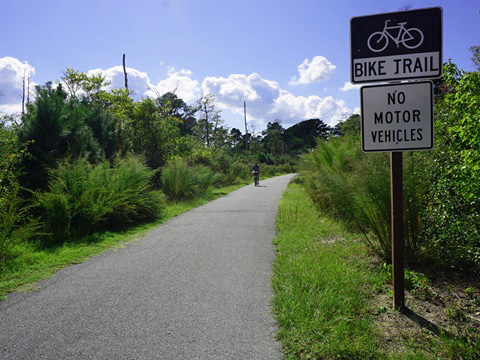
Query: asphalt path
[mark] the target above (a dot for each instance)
(196, 287)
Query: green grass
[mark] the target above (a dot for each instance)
(329, 296)
(322, 285)
(33, 265)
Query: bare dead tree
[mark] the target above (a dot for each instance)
(125, 73)
(253, 127)
(29, 81)
(206, 123)
(23, 93)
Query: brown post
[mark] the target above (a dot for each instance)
(398, 242)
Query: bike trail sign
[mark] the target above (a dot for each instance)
(396, 46)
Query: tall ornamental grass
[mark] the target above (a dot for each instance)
(183, 181)
(17, 227)
(237, 171)
(355, 187)
(83, 198)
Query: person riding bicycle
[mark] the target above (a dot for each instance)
(256, 173)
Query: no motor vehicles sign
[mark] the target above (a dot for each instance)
(396, 46)
(397, 117)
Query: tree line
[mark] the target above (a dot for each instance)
(80, 158)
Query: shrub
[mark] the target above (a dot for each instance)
(237, 171)
(182, 181)
(83, 198)
(452, 211)
(16, 226)
(355, 187)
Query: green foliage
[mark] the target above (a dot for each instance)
(304, 135)
(182, 181)
(274, 138)
(83, 198)
(475, 50)
(11, 153)
(452, 214)
(274, 170)
(56, 126)
(237, 170)
(171, 105)
(216, 159)
(76, 81)
(16, 224)
(152, 134)
(349, 127)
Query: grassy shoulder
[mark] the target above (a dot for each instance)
(32, 265)
(333, 299)
(322, 285)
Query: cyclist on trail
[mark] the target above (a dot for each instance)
(256, 173)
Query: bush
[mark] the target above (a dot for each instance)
(182, 181)
(238, 170)
(16, 226)
(83, 198)
(355, 187)
(452, 211)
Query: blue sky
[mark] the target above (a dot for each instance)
(288, 59)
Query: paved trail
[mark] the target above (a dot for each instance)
(197, 287)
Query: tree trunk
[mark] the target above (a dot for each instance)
(206, 124)
(125, 73)
(23, 94)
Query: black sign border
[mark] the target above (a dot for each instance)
(397, 84)
(398, 78)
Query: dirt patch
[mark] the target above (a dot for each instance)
(442, 318)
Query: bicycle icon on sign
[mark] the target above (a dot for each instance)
(410, 38)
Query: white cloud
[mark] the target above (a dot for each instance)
(349, 86)
(266, 101)
(179, 81)
(294, 108)
(319, 69)
(138, 81)
(231, 92)
(12, 72)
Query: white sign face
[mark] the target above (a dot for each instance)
(396, 46)
(397, 117)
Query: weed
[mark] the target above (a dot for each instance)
(469, 292)
(455, 312)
